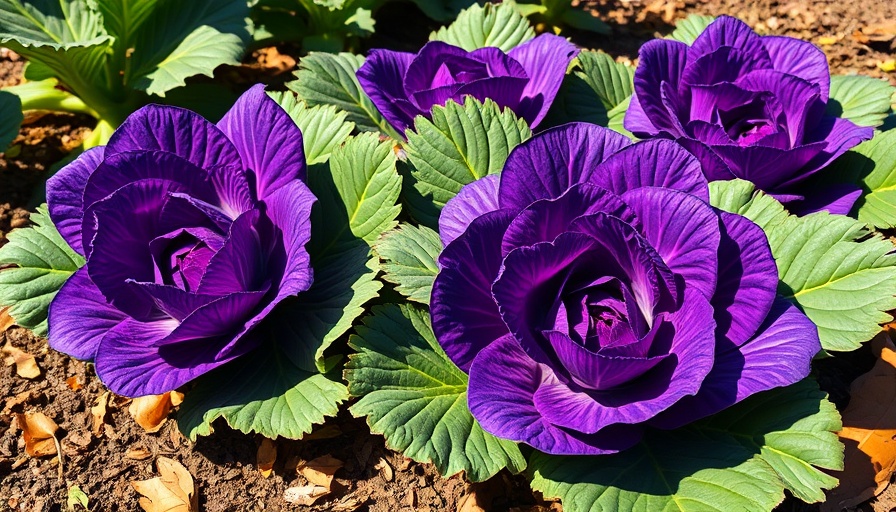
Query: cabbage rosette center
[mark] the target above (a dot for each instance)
(591, 291)
(192, 232)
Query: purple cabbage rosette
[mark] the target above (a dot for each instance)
(590, 291)
(525, 79)
(192, 232)
(749, 107)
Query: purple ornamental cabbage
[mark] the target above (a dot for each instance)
(193, 232)
(525, 79)
(749, 107)
(591, 291)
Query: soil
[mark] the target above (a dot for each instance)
(856, 39)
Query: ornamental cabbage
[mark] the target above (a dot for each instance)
(525, 79)
(748, 107)
(192, 232)
(590, 291)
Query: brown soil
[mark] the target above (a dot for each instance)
(859, 39)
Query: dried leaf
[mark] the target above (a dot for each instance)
(304, 495)
(470, 503)
(6, 321)
(26, 365)
(138, 453)
(887, 65)
(39, 433)
(266, 456)
(172, 491)
(385, 469)
(98, 413)
(320, 471)
(74, 383)
(870, 422)
(151, 411)
(828, 40)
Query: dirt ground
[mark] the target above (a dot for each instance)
(857, 37)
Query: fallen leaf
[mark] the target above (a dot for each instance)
(172, 491)
(828, 40)
(385, 469)
(305, 494)
(266, 456)
(39, 433)
(98, 413)
(138, 453)
(151, 411)
(470, 503)
(869, 426)
(320, 471)
(74, 383)
(887, 65)
(6, 321)
(348, 504)
(26, 365)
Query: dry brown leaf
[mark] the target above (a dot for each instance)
(385, 469)
(320, 471)
(74, 383)
(39, 433)
(266, 456)
(305, 494)
(348, 504)
(26, 365)
(869, 421)
(98, 413)
(6, 321)
(172, 491)
(138, 453)
(470, 503)
(151, 411)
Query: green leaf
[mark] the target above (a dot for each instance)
(613, 82)
(261, 392)
(11, 114)
(178, 40)
(323, 127)
(47, 95)
(862, 99)
(408, 257)
(616, 120)
(478, 26)
(576, 101)
(831, 266)
(416, 397)
(43, 261)
(461, 144)
(65, 36)
(872, 164)
(365, 177)
(327, 79)
(123, 18)
(688, 29)
(740, 459)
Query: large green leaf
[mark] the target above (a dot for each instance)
(461, 144)
(364, 173)
(872, 164)
(328, 79)
(416, 397)
(576, 101)
(861, 99)
(65, 36)
(261, 392)
(178, 40)
(831, 266)
(688, 29)
(478, 26)
(123, 18)
(47, 95)
(43, 261)
(612, 81)
(740, 459)
(11, 114)
(408, 258)
(323, 127)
